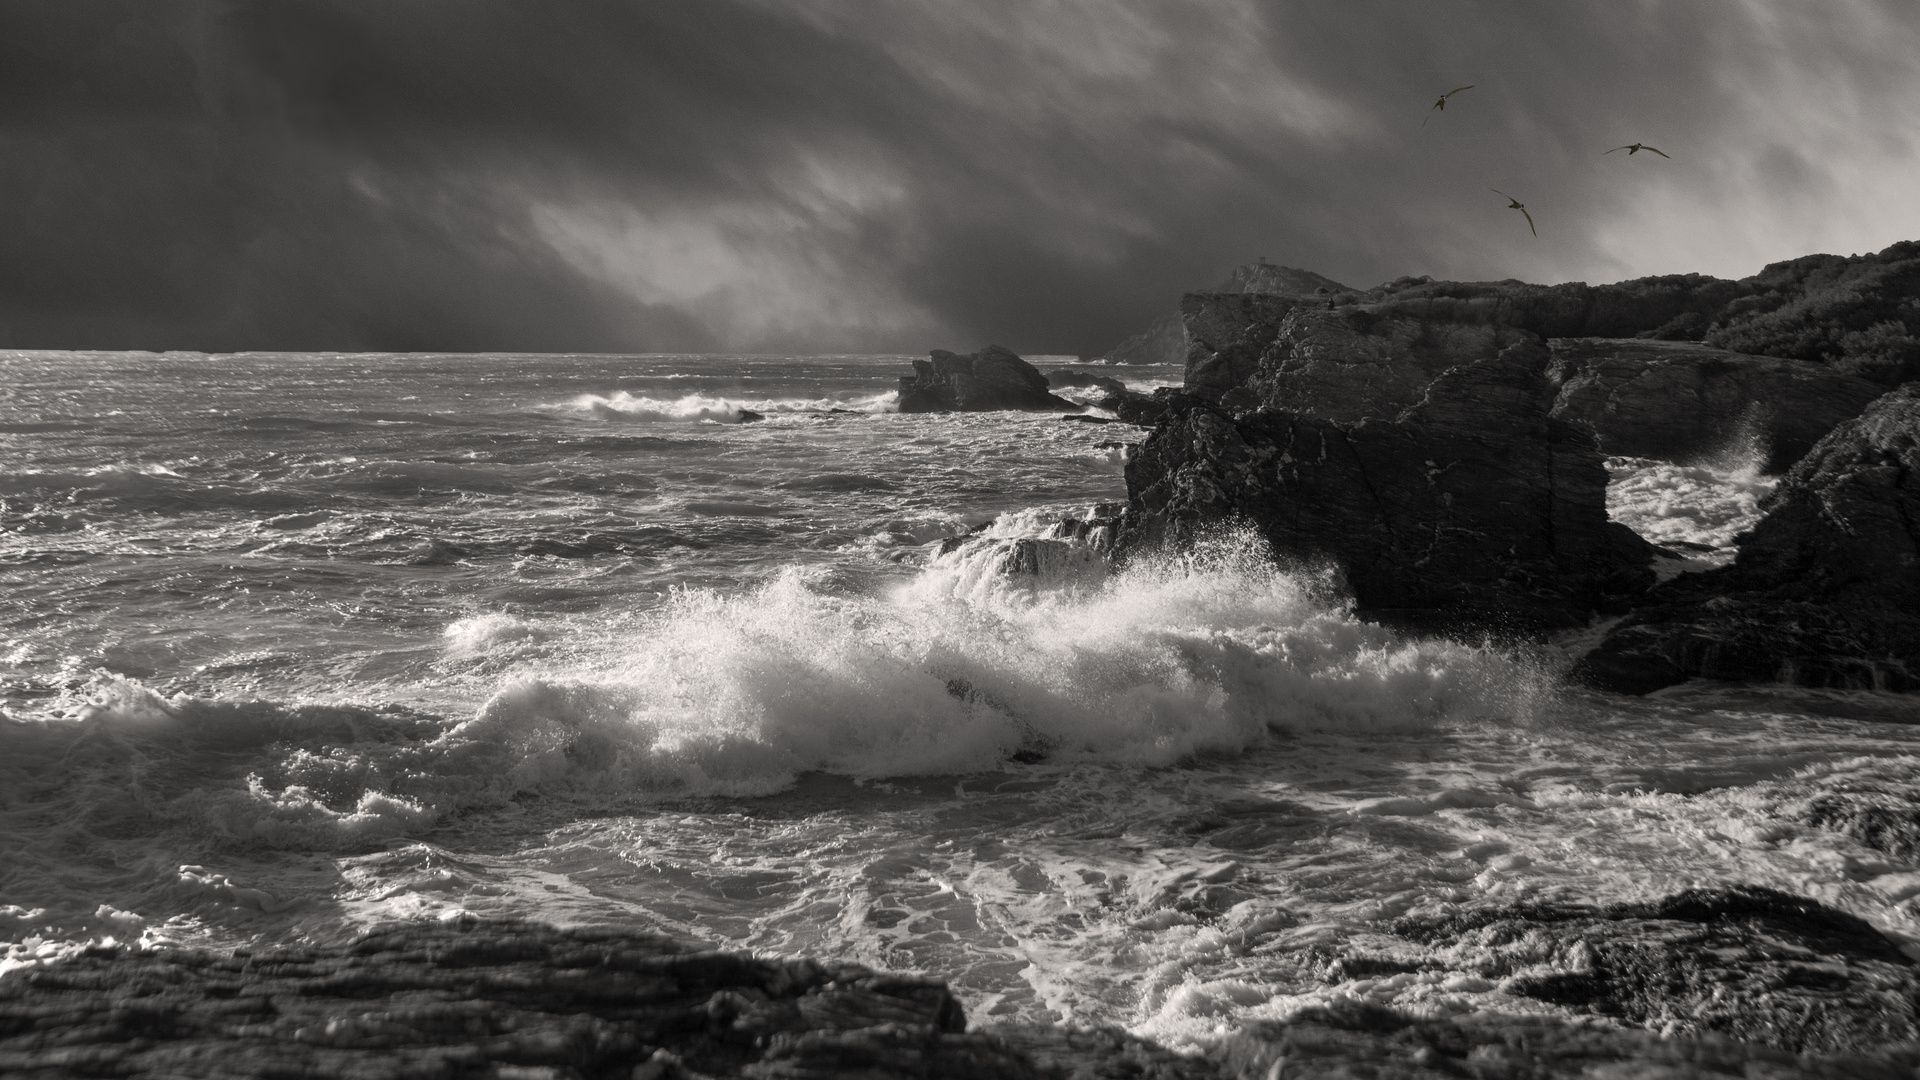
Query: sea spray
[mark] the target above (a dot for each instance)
(976, 661)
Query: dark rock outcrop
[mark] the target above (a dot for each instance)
(989, 380)
(508, 999)
(1471, 508)
(1679, 400)
(1825, 591)
(1353, 363)
(457, 1001)
(1751, 963)
(1227, 334)
(1356, 1039)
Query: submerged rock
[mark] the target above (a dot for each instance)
(1825, 591)
(1472, 507)
(1678, 400)
(990, 380)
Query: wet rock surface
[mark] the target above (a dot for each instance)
(1472, 507)
(1355, 1040)
(1808, 991)
(992, 379)
(1680, 401)
(1825, 591)
(481, 1000)
(1748, 963)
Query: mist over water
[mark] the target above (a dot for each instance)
(293, 644)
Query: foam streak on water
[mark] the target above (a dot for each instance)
(296, 644)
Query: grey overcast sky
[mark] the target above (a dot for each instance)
(882, 175)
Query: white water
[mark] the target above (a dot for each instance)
(669, 671)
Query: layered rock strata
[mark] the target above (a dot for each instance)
(992, 379)
(1825, 591)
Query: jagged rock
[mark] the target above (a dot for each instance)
(1679, 400)
(1825, 591)
(1472, 507)
(1227, 333)
(989, 380)
(1752, 963)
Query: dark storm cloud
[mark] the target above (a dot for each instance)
(823, 174)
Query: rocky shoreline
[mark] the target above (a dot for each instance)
(1443, 445)
(1703, 984)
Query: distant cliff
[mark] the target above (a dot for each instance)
(1166, 340)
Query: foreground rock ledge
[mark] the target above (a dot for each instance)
(516, 1000)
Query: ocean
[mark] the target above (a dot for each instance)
(293, 644)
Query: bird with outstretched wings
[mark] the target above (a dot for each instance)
(1441, 105)
(1516, 204)
(1634, 148)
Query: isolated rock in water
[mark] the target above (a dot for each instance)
(1163, 342)
(1825, 591)
(1472, 507)
(1680, 401)
(990, 380)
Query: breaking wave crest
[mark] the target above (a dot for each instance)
(1005, 648)
(695, 408)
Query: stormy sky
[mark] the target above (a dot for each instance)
(898, 175)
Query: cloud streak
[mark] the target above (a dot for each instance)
(766, 175)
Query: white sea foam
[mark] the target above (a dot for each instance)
(1701, 504)
(977, 660)
(695, 408)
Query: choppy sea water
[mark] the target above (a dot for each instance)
(294, 643)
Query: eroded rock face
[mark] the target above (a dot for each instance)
(1352, 363)
(1679, 401)
(1825, 590)
(990, 380)
(1227, 334)
(1472, 507)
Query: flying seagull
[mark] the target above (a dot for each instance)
(1442, 103)
(1634, 148)
(1516, 204)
